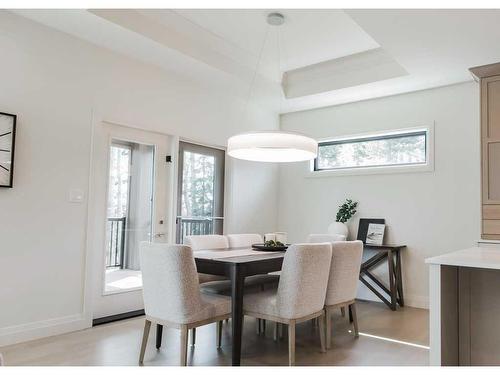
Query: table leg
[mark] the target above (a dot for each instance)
(237, 288)
(159, 332)
(390, 260)
(399, 274)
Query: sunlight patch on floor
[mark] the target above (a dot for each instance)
(120, 280)
(393, 340)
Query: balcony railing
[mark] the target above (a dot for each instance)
(192, 226)
(116, 247)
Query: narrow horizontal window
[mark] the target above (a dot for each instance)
(409, 148)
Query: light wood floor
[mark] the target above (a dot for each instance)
(386, 338)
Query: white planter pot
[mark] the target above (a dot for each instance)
(338, 228)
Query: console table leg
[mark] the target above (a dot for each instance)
(392, 277)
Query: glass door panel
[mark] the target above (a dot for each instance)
(129, 212)
(200, 200)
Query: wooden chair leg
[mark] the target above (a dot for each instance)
(145, 335)
(219, 333)
(263, 328)
(328, 328)
(322, 332)
(354, 320)
(342, 311)
(184, 344)
(258, 326)
(291, 343)
(193, 337)
(276, 331)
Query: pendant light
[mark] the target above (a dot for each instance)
(272, 146)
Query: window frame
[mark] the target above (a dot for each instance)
(379, 169)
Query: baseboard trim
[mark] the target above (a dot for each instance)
(117, 317)
(44, 328)
(411, 300)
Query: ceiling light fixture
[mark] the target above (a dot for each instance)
(271, 146)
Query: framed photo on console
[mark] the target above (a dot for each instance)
(375, 234)
(7, 145)
(363, 227)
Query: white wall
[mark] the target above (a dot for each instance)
(59, 87)
(433, 212)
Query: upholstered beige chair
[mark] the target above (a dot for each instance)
(319, 238)
(207, 242)
(343, 282)
(243, 240)
(301, 291)
(172, 296)
(327, 237)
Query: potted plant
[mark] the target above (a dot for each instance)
(346, 211)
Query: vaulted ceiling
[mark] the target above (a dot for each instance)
(318, 57)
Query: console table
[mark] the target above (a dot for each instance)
(391, 253)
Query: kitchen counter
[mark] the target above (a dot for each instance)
(477, 257)
(464, 302)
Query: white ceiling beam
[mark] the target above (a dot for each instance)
(349, 71)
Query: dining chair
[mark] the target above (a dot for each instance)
(343, 282)
(318, 238)
(207, 242)
(327, 237)
(172, 296)
(243, 240)
(301, 292)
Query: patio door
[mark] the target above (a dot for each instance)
(135, 183)
(200, 191)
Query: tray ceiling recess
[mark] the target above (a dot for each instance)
(353, 70)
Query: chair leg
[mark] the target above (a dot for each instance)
(276, 333)
(159, 333)
(328, 328)
(219, 333)
(145, 335)
(193, 337)
(258, 326)
(322, 332)
(342, 311)
(184, 344)
(354, 320)
(263, 329)
(291, 343)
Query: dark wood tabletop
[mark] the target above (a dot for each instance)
(236, 264)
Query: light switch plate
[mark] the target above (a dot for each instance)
(76, 195)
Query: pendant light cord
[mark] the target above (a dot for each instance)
(255, 72)
(280, 78)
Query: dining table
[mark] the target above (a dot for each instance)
(237, 264)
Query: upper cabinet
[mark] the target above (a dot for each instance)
(489, 80)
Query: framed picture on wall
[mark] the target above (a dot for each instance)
(7, 144)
